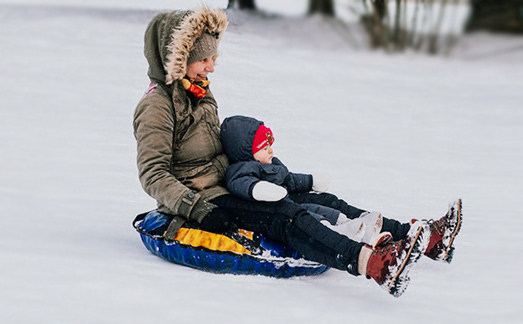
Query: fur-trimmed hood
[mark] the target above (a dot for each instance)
(170, 36)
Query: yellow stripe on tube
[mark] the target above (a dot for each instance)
(211, 241)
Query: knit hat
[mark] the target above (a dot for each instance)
(204, 46)
(262, 138)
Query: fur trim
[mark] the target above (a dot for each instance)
(193, 25)
(363, 259)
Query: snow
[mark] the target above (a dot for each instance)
(402, 134)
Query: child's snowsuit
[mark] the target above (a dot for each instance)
(244, 172)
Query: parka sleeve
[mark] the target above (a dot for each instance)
(241, 178)
(298, 182)
(295, 182)
(153, 129)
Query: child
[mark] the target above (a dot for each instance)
(256, 174)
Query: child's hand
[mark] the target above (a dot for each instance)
(268, 191)
(320, 183)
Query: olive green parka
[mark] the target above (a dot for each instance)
(179, 153)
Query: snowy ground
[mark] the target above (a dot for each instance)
(400, 134)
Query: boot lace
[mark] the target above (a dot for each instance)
(387, 249)
(439, 225)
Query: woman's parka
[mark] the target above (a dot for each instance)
(179, 154)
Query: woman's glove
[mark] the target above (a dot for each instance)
(201, 209)
(320, 183)
(268, 191)
(217, 221)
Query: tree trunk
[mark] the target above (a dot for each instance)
(397, 27)
(496, 15)
(380, 8)
(242, 4)
(324, 7)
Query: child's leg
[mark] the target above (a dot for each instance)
(365, 228)
(318, 217)
(325, 213)
(398, 230)
(352, 228)
(327, 200)
(373, 222)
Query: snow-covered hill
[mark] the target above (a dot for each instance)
(400, 134)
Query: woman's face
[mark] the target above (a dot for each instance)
(198, 70)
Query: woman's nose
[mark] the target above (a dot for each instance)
(210, 66)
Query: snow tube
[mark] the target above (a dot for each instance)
(236, 252)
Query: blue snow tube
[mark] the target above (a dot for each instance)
(236, 252)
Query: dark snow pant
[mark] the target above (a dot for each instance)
(290, 223)
(397, 229)
(322, 213)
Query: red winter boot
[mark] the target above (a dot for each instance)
(443, 232)
(390, 264)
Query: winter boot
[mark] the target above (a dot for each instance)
(380, 239)
(373, 236)
(351, 228)
(390, 264)
(443, 232)
(365, 228)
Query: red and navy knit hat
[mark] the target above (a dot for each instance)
(262, 138)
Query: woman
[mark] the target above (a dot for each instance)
(182, 166)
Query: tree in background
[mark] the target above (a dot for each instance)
(324, 7)
(399, 25)
(373, 20)
(392, 27)
(496, 15)
(242, 4)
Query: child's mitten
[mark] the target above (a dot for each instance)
(268, 191)
(320, 183)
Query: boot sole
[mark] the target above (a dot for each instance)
(419, 245)
(450, 249)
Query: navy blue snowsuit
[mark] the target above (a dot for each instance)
(286, 220)
(237, 134)
(242, 176)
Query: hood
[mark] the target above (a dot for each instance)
(170, 36)
(237, 134)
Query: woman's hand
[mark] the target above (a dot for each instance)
(217, 221)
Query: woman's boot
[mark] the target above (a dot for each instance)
(443, 232)
(390, 264)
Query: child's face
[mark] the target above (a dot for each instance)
(264, 155)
